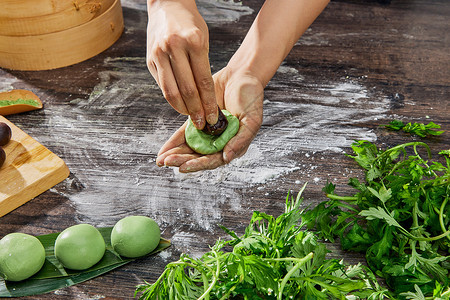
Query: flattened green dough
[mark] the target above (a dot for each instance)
(204, 143)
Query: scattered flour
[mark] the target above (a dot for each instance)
(126, 180)
(7, 82)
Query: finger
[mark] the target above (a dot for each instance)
(175, 144)
(176, 160)
(187, 87)
(207, 162)
(161, 160)
(205, 84)
(168, 84)
(175, 140)
(152, 69)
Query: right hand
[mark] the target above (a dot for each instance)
(177, 57)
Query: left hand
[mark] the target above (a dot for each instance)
(242, 95)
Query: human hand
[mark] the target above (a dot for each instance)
(240, 94)
(177, 57)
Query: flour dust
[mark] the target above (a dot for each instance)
(112, 160)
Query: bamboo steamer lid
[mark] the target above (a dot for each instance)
(74, 15)
(62, 48)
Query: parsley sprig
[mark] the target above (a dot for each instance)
(420, 129)
(274, 259)
(399, 217)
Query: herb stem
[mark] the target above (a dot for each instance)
(441, 215)
(415, 216)
(227, 295)
(403, 146)
(151, 287)
(343, 198)
(215, 277)
(434, 238)
(293, 259)
(301, 262)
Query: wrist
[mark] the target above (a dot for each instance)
(157, 3)
(249, 61)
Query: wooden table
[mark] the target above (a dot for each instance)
(361, 64)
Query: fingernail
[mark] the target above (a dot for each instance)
(227, 157)
(198, 123)
(158, 162)
(212, 119)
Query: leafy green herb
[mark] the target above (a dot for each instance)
(419, 129)
(399, 217)
(274, 259)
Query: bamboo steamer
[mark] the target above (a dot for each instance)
(72, 16)
(65, 47)
(35, 8)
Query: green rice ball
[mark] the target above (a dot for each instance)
(79, 247)
(21, 256)
(135, 236)
(205, 143)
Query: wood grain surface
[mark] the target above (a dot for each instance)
(29, 170)
(360, 65)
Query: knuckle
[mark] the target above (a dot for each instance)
(189, 92)
(196, 39)
(171, 42)
(170, 95)
(150, 65)
(206, 83)
(154, 54)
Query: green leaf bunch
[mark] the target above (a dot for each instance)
(419, 129)
(274, 259)
(398, 216)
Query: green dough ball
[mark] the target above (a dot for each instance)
(21, 256)
(79, 247)
(135, 236)
(204, 143)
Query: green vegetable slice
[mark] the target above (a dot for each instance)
(53, 276)
(31, 102)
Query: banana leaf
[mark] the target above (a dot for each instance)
(53, 275)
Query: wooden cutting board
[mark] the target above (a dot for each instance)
(29, 170)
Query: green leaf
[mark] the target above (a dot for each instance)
(53, 276)
(418, 295)
(395, 125)
(418, 129)
(379, 213)
(383, 194)
(381, 247)
(357, 239)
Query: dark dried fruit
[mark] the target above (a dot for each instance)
(217, 128)
(5, 134)
(2, 156)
